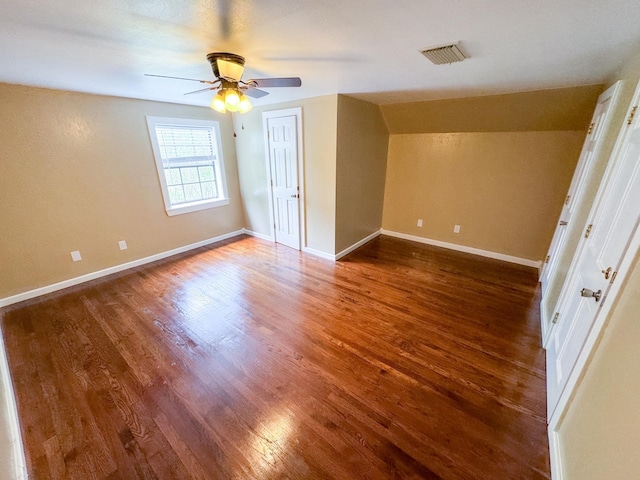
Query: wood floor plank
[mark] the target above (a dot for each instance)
(250, 360)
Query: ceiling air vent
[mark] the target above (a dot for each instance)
(443, 54)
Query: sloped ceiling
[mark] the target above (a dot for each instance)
(364, 48)
(543, 110)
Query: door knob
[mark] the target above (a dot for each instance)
(607, 273)
(585, 292)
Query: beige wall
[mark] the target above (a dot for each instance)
(361, 162)
(505, 189)
(558, 109)
(600, 433)
(77, 173)
(319, 137)
(499, 166)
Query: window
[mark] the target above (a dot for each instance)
(188, 156)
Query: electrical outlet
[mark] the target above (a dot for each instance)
(122, 244)
(75, 256)
(456, 229)
(420, 222)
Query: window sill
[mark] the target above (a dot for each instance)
(196, 206)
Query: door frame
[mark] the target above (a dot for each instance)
(597, 330)
(288, 112)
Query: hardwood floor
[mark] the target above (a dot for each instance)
(250, 360)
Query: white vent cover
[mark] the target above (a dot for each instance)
(443, 54)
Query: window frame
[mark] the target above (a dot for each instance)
(218, 165)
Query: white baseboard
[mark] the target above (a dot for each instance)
(108, 271)
(118, 268)
(318, 253)
(356, 245)
(12, 459)
(462, 248)
(554, 456)
(262, 236)
(311, 251)
(344, 252)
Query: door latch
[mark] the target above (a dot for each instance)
(585, 292)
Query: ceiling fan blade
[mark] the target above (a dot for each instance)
(254, 92)
(201, 90)
(182, 78)
(275, 82)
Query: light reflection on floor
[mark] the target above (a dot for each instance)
(206, 311)
(205, 307)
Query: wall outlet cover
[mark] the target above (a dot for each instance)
(420, 222)
(456, 229)
(122, 244)
(75, 256)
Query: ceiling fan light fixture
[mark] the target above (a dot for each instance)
(218, 103)
(226, 65)
(245, 104)
(231, 99)
(230, 70)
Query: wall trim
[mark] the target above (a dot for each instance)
(115, 269)
(544, 331)
(159, 256)
(357, 245)
(554, 456)
(258, 235)
(318, 253)
(462, 248)
(8, 399)
(346, 251)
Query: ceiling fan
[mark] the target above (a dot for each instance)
(232, 90)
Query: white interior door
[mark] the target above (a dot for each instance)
(590, 149)
(285, 186)
(612, 223)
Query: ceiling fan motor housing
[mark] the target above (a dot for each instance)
(226, 65)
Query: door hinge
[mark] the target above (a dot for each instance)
(546, 260)
(555, 317)
(588, 232)
(591, 128)
(631, 115)
(566, 200)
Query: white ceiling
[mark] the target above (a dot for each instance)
(364, 47)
